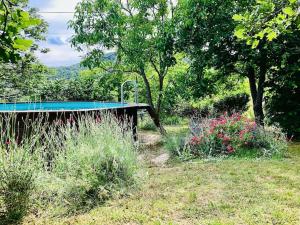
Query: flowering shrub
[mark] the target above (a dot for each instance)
(233, 135)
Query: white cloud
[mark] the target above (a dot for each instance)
(62, 54)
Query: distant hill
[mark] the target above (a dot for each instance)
(68, 72)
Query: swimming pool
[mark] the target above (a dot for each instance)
(63, 111)
(60, 106)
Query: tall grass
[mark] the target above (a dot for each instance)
(20, 162)
(93, 161)
(64, 166)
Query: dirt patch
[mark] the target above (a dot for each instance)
(150, 139)
(160, 160)
(153, 154)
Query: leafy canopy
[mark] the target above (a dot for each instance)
(267, 20)
(15, 25)
(139, 31)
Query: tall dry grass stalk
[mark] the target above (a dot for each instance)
(67, 166)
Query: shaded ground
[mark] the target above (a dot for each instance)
(152, 152)
(215, 192)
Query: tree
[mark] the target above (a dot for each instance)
(94, 85)
(21, 81)
(141, 33)
(283, 101)
(16, 27)
(275, 25)
(267, 20)
(21, 29)
(206, 33)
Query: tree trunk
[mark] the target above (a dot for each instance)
(156, 120)
(257, 92)
(260, 116)
(153, 112)
(160, 94)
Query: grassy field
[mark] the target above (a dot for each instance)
(215, 192)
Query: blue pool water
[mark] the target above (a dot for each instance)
(56, 106)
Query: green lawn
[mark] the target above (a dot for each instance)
(207, 192)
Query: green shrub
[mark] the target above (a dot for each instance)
(175, 143)
(216, 105)
(232, 103)
(146, 123)
(234, 135)
(283, 103)
(171, 120)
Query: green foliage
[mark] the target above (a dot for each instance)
(146, 123)
(16, 25)
(21, 81)
(74, 71)
(175, 144)
(16, 183)
(267, 20)
(205, 33)
(230, 103)
(90, 85)
(133, 47)
(283, 103)
(184, 88)
(215, 105)
(66, 72)
(209, 41)
(20, 71)
(172, 120)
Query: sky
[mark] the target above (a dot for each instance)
(61, 53)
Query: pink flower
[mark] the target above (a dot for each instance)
(241, 135)
(230, 149)
(98, 119)
(222, 121)
(58, 122)
(236, 117)
(195, 140)
(213, 123)
(7, 142)
(226, 140)
(71, 119)
(220, 135)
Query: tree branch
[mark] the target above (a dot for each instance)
(154, 66)
(5, 18)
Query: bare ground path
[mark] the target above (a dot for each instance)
(153, 153)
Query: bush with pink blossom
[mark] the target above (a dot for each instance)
(232, 135)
